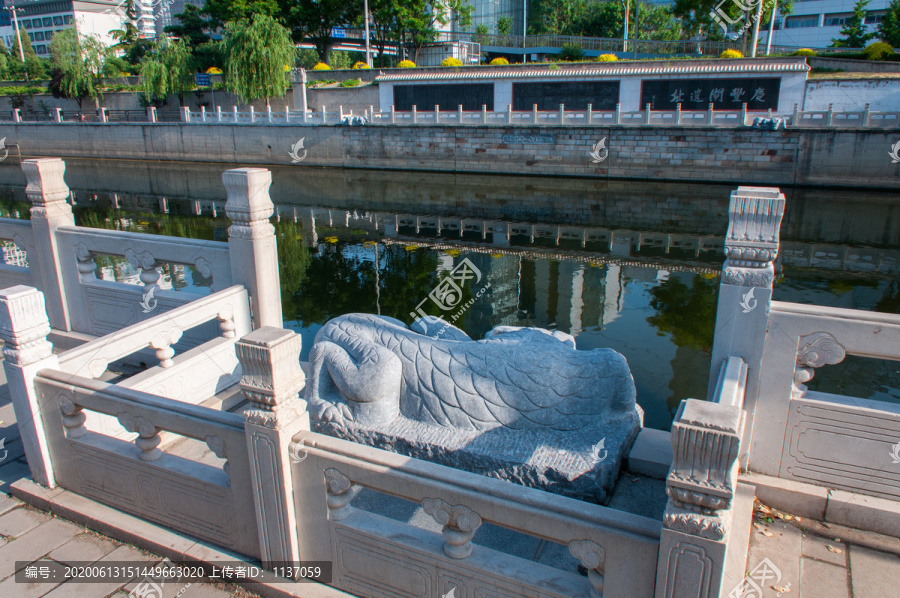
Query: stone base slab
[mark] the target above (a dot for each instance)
(158, 540)
(651, 454)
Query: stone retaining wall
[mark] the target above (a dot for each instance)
(819, 157)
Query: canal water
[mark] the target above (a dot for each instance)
(629, 265)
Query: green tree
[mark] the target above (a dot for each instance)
(854, 33)
(4, 61)
(35, 67)
(167, 69)
(315, 19)
(504, 25)
(129, 34)
(889, 28)
(191, 27)
(78, 62)
(256, 53)
(307, 58)
(220, 12)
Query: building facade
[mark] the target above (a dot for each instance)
(815, 23)
(43, 19)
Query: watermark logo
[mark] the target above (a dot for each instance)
(894, 153)
(599, 450)
(447, 295)
(752, 585)
(3, 448)
(299, 452)
(895, 453)
(152, 587)
(749, 303)
(599, 153)
(5, 151)
(295, 156)
(449, 4)
(450, 594)
(720, 16)
(148, 301)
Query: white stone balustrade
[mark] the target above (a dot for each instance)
(251, 241)
(24, 327)
(271, 380)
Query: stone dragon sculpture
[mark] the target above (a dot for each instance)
(373, 369)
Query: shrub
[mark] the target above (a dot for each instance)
(731, 54)
(553, 66)
(407, 64)
(214, 70)
(307, 58)
(804, 52)
(450, 61)
(877, 51)
(350, 83)
(607, 58)
(571, 52)
(321, 67)
(339, 59)
(499, 61)
(361, 65)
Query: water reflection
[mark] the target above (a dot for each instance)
(629, 266)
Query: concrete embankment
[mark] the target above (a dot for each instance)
(857, 158)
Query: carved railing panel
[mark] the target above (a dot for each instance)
(375, 555)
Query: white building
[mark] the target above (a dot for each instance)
(815, 23)
(44, 18)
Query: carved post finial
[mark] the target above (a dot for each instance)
(252, 246)
(24, 325)
(270, 365)
(45, 180)
(751, 244)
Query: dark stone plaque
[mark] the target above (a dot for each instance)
(448, 96)
(724, 94)
(576, 95)
(551, 139)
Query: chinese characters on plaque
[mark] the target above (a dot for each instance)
(723, 94)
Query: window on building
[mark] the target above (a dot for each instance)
(838, 20)
(57, 20)
(874, 19)
(26, 24)
(40, 49)
(47, 21)
(31, 36)
(67, 19)
(48, 36)
(804, 21)
(38, 36)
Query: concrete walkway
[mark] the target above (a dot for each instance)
(793, 558)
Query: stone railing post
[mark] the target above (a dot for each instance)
(745, 291)
(253, 250)
(218, 114)
(46, 189)
(102, 115)
(252, 114)
(24, 328)
(151, 114)
(271, 381)
(304, 101)
(17, 116)
(185, 114)
(701, 487)
(57, 115)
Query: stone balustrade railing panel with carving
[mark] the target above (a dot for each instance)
(618, 549)
(209, 502)
(97, 306)
(16, 242)
(826, 439)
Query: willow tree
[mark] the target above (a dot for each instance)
(167, 69)
(77, 61)
(257, 53)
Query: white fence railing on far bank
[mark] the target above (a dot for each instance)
(560, 117)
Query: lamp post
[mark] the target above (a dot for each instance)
(366, 21)
(524, 30)
(19, 37)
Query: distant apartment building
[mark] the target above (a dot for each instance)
(42, 19)
(165, 11)
(815, 23)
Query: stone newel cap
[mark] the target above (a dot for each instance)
(45, 180)
(21, 308)
(705, 414)
(270, 364)
(248, 194)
